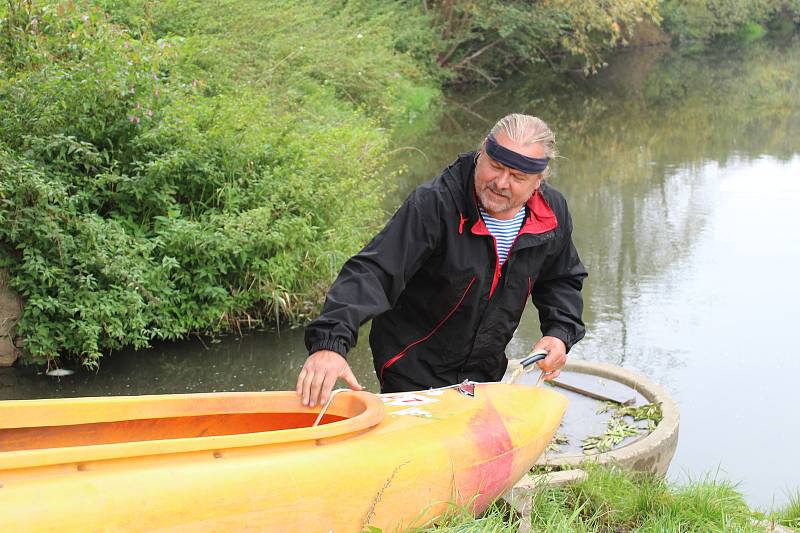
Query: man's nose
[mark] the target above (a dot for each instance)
(501, 182)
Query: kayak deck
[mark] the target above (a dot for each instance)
(392, 461)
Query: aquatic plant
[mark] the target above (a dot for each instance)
(618, 429)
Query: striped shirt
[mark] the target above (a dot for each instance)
(503, 231)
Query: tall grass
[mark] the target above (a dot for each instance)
(789, 516)
(611, 500)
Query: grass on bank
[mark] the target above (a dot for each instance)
(789, 515)
(612, 500)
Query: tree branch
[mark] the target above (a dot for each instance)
(469, 58)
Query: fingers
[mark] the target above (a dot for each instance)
(299, 388)
(330, 380)
(316, 388)
(554, 361)
(319, 374)
(552, 375)
(350, 379)
(306, 392)
(550, 363)
(556, 356)
(327, 387)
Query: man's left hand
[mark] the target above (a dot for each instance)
(556, 356)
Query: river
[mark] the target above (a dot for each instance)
(682, 170)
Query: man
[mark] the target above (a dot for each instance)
(447, 279)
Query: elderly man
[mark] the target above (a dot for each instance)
(447, 279)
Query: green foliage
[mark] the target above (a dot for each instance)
(707, 19)
(461, 520)
(750, 31)
(618, 428)
(789, 516)
(349, 47)
(481, 40)
(611, 500)
(169, 167)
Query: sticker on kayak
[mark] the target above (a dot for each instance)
(413, 411)
(467, 388)
(407, 399)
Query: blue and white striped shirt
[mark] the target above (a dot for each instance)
(503, 231)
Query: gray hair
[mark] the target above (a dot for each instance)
(526, 130)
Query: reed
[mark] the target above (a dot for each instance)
(613, 500)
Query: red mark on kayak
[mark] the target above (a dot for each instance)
(489, 477)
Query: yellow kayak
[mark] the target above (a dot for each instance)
(255, 462)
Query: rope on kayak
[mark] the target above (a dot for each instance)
(325, 407)
(524, 366)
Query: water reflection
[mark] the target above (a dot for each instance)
(257, 361)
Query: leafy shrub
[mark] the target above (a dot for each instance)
(176, 167)
(707, 19)
(482, 40)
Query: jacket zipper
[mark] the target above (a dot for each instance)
(436, 328)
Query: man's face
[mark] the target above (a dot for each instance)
(502, 190)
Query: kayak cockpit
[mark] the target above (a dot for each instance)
(176, 427)
(39, 432)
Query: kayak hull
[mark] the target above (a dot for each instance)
(390, 461)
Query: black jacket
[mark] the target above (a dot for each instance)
(443, 312)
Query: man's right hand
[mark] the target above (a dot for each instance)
(319, 375)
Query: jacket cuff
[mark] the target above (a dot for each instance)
(334, 345)
(559, 333)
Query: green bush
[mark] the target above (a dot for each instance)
(174, 167)
(708, 19)
(483, 40)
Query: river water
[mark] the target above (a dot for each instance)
(682, 170)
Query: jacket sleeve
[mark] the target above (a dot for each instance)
(557, 291)
(371, 281)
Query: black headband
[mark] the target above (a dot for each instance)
(510, 158)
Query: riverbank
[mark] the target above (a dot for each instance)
(612, 500)
(173, 168)
(176, 167)
(664, 150)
